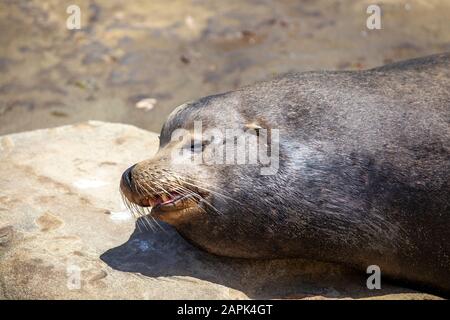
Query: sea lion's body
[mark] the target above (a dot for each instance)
(363, 178)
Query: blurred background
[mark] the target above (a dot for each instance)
(135, 61)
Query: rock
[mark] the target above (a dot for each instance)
(65, 234)
(146, 104)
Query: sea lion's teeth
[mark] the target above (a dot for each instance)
(154, 201)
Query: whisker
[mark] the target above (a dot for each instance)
(246, 208)
(154, 220)
(176, 183)
(196, 196)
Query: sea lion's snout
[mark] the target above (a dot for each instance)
(150, 188)
(127, 185)
(130, 185)
(127, 177)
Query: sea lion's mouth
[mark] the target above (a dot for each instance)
(170, 202)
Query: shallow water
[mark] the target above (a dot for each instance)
(176, 52)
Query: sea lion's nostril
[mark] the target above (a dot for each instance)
(127, 177)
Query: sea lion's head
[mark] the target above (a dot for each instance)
(200, 181)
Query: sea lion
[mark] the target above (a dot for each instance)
(363, 173)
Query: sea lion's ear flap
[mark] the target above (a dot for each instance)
(253, 128)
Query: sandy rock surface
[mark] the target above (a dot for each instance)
(65, 234)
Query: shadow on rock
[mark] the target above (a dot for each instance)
(164, 253)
